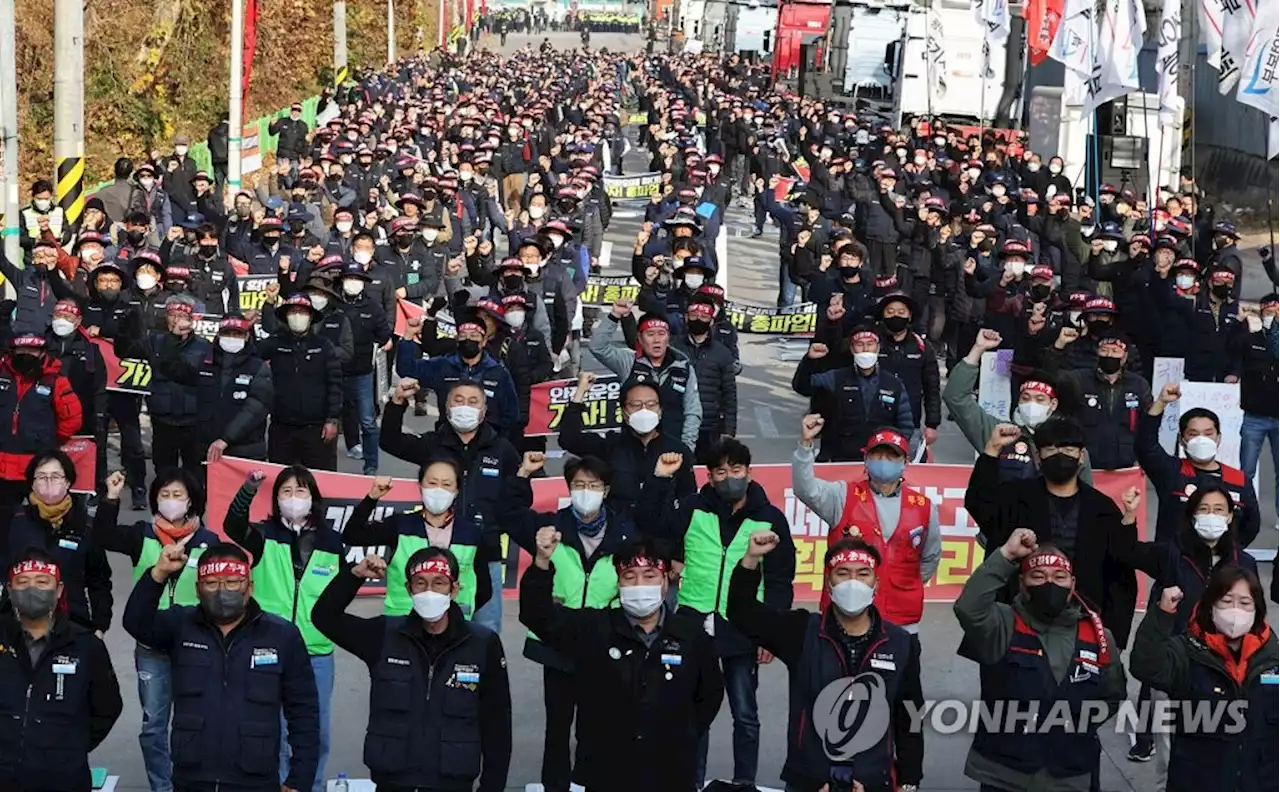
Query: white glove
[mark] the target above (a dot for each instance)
(561, 360)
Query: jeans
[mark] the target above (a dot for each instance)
(357, 405)
(155, 694)
(490, 614)
(1255, 430)
(322, 667)
(740, 678)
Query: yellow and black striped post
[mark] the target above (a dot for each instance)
(340, 75)
(69, 187)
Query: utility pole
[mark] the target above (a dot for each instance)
(9, 122)
(235, 113)
(391, 31)
(340, 72)
(68, 106)
(442, 32)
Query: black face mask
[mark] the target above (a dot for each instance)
(698, 326)
(222, 606)
(1059, 468)
(986, 244)
(849, 273)
(109, 295)
(1047, 601)
(1041, 291)
(428, 195)
(297, 227)
(1109, 365)
(208, 251)
(1096, 328)
(403, 241)
(136, 237)
(896, 324)
(469, 348)
(512, 283)
(1221, 290)
(27, 365)
(271, 241)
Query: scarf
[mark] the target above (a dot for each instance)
(52, 514)
(169, 533)
(1250, 644)
(591, 529)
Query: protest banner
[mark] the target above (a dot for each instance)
(994, 388)
(944, 484)
(799, 319)
(406, 310)
(84, 456)
(1222, 399)
(637, 187)
(603, 291)
(601, 408)
(253, 291)
(126, 375)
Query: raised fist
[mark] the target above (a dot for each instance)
(668, 464)
(970, 266)
(1001, 435)
(1066, 335)
(811, 427)
(381, 486)
(546, 540)
(1021, 543)
(371, 567)
(987, 340)
(115, 485)
(1170, 598)
(817, 351)
(531, 463)
(762, 542)
(622, 308)
(1171, 393)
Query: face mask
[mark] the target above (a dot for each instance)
(586, 502)
(1055, 168)
(181, 151)
(43, 204)
(640, 601)
(109, 295)
(468, 348)
(173, 508)
(1232, 622)
(556, 241)
(404, 241)
(1222, 291)
(1109, 365)
(643, 421)
(343, 226)
(852, 597)
(1267, 321)
(1210, 527)
(1185, 282)
(231, 345)
(1074, 318)
(466, 175)
(298, 322)
(885, 471)
(353, 287)
(896, 324)
(146, 184)
(62, 328)
(1040, 292)
(1047, 600)
(431, 606)
(974, 173)
(515, 319)
(865, 360)
(27, 364)
(272, 241)
(437, 500)
(430, 234)
(902, 153)
(1059, 468)
(1029, 415)
(732, 489)
(222, 606)
(319, 301)
(698, 327)
(693, 281)
(208, 251)
(293, 510)
(1033, 166)
(1016, 267)
(89, 254)
(536, 212)
(1201, 448)
(135, 237)
(362, 257)
(33, 603)
(1110, 245)
(464, 418)
(50, 493)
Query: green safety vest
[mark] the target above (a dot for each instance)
(180, 591)
(279, 592)
(399, 602)
(704, 584)
(574, 588)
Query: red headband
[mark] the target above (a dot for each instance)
(1113, 342)
(180, 307)
(39, 567)
(643, 562)
(233, 323)
(864, 335)
(702, 309)
(470, 327)
(437, 565)
(1036, 386)
(852, 557)
(67, 306)
(1045, 561)
(654, 323)
(223, 568)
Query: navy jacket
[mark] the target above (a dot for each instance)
(439, 374)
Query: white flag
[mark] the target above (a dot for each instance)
(1115, 69)
(936, 52)
(993, 17)
(1237, 25)
(1169, 35)
(1076, 38)
(1261, 62)
(1211, 30)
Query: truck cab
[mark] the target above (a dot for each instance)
(800, 23)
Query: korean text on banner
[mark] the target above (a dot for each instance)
(601, 407)
(638, 187)
(944, 484)
(995, 395)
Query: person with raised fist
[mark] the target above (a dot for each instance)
(1047, 646)
(647, 677)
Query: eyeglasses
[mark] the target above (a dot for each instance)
(635, 405)
(224, 584)
(588, 486)
(1072, 451)
(50, 478)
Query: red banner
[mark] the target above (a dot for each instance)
(1043, 18)
(250, 39)
(84, 454)
(130, 375)
(944, 484)
(602, 406)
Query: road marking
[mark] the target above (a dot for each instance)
(764, 419)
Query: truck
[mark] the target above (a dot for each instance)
(749, 27)
(800, 23)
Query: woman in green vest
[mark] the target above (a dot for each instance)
(295, 556)
(177, 503)
(430, 524)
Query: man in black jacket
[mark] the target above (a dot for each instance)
(219, 145)
(717, 379)
(641, 659)
(57, 686)
(307, 405)
(32, 284)
(84, 368)
(291, 144)
(370, 333)
(427, 730)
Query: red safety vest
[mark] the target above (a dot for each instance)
(900, 592)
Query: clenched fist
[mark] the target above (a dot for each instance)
(531, 463)
(668, 464)
(1170, 598)
(1066, 335)
(1001, 435)
(817, 351)
(371, 567)
(381, 486)
(810, 428)
(547, 539)
(1021, 543)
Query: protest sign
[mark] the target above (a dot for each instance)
(603, 291)
(253, 291)
(799, 319)
(127, 375)
(994, 388)
(638, 187)
(601, 408)
(1222, 399)
(1164, 372)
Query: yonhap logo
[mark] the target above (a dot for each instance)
(851, 715)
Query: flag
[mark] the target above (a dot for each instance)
(1237, 25)
(1211, 30)
(250, 44)
(1075, 41)
(993, 17)
(1167, 63)
(1043, 19)
(1258, 86)
(1115, 65)
(936, 51)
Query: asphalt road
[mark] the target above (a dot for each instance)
(769, 417)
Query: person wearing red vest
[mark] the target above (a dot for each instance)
(899, 522)
(1174, 479)
(40, 411)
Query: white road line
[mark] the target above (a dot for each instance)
(764, 419)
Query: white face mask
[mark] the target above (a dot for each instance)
(998, 190)
(536, 212)
(586, 502)
(437, 500)
(556, 240)
(295, 509)
(1110, 245)
(319, 302)
(466, 175)
(1016, 267)
(1185, 282)
(974, 173)
(1055, 169)
(1268, 320)
(694, 280)
(62, 327)
(362, 257)
(852, 596)
(231, 345)
(1201, 448)
(146, 281)
(1232, 622)
(1210, 527)
(353, 287)
(865, 360)
(1034, 167)
(298, 322)
(343, 226)
(643, 421)
(919, 161)
(1074, 316)
(173, 508)
(90, 254)
(181, 151)
(1029, 415)
(464, 418)
(431, 605)
(515, 319)
(640, 601)
(430, 234)
(146, 184)
(43, 204)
